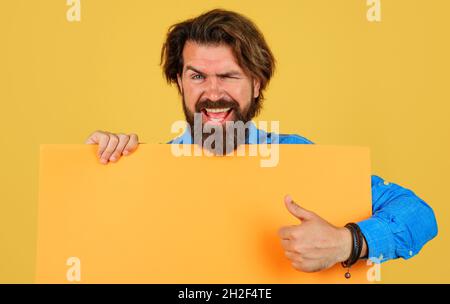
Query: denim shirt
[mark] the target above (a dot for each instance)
(401, 222)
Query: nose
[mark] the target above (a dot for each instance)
(214, 90)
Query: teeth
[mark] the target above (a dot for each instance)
(217, 110)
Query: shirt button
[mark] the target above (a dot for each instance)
(410, 253)
(386, 183)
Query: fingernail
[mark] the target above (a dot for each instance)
(113, 158)
(125, 152)
(103, 161)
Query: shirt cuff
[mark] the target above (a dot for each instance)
(379, 238)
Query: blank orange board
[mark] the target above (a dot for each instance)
(153, 217)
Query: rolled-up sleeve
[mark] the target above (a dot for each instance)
(401, 222)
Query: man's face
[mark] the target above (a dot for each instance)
(213, 84)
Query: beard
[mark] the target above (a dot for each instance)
(232, 134)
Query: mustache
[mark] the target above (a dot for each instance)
(221, 103)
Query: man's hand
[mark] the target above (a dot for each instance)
(315, 244)
(112, 146)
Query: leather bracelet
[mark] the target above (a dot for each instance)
(357, 244)
(353, 253)
(361, 241)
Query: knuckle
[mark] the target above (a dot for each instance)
(94, 137)
(298, 248)
(122, 136)
(102, 134)
(134, 139)
(132, 147)
(296, 234)
(113, 137)
(97, 132)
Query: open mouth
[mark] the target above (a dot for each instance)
(216, 115)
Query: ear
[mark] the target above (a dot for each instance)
(256, 87)
(180, 83)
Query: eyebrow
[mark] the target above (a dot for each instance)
(227, 74)
(190, 67)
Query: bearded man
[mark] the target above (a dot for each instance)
(222, 65)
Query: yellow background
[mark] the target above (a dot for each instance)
(340, 80)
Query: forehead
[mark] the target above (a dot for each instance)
(209, 58)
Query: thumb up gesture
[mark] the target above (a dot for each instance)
(313, 244)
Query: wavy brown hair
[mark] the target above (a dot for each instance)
(220, 27)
